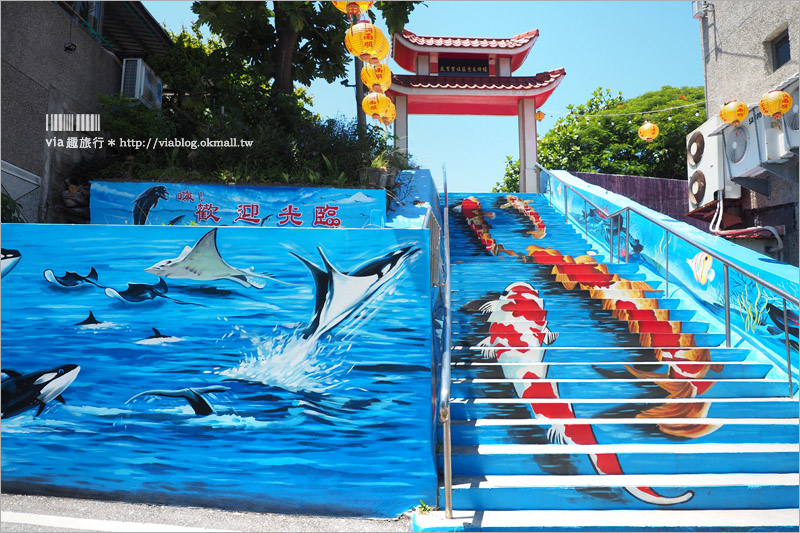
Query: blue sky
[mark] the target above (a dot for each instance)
(633, 47)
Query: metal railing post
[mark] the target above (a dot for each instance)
(666, 267)
(586, 219)
(566, 217)
(627, 234)
(727, 306)
(444, 398)
(788, 350)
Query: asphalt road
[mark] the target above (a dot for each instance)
(41, 513)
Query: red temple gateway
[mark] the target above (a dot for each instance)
(471, 76)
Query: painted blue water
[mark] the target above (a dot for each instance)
(342, 419)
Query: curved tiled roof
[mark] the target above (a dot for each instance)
(516, 41)
(503, 83)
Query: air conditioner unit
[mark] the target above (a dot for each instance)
(698, 9)
(743, 146)
(791, 120)
(140, 82)
(705, 159)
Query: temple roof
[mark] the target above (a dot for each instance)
(473, 95)
(407, 45)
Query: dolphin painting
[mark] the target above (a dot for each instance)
(340, 294)
(158, 338)
(147, 201)
(202, 262)
(21, 392)
(141, 292)
(72, 279)
(89, 320)
(192, 394)
(10, 260)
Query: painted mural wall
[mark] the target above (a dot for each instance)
(139, 203)
(757, 314)
(247, 368)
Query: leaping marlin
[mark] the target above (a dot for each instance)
(192, 395)
(202, 262)
(340, 294)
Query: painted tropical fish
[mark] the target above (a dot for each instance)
(539, 231)
(21, 392)
(9, 260)
(340, 294)
(147, 201)
(202, 262)
(702, 266)
(518, 332)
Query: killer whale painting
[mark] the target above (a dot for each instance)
(233, 400)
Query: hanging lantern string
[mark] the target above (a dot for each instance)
(653, 112)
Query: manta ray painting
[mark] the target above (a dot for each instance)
(202, 262)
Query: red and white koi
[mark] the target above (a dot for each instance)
(518, 332)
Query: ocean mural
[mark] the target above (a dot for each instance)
(140, 203)
(255, 369)
(755, 311)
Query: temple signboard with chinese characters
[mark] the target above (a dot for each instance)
(471, 76)
(169, 204)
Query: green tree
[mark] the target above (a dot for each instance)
(292, 41)
(602, 135)
(510, 181)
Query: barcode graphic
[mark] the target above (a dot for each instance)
(72, 122)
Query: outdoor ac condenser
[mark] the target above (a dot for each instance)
(743, 146)
(140, 82)
(791, 120)
(705, 160)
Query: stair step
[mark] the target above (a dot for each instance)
(620, 388)
(615, 407)
(705, 458)
(580, 370)
(535, 318)
(611, 520)
(593, 354)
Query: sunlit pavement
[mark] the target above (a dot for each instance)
(40, 513)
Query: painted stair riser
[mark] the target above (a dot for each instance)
(608, 434)
(603, 388)
(618, 371)
(594, 354)
(463, 409)
(632, 463)
(605, 498)
(632, 326)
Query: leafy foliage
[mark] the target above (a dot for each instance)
(510, 181)
(11, 210)
(602, 135)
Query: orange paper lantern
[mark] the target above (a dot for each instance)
(775, 103)
(353, 8)
(375, 105)
(648, 131)
(377, 77)
(381, 51)
(733, 112)
(539, 116)
(363, 39)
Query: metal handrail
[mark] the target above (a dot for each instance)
(444, 395)
(727, 264)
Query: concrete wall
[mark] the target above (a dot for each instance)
(39, 77)
(738, 63)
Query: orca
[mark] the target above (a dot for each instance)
(340, 294)
(147, 201)
(72, 279)
(192, 394)
(142, 292)
(21, 392)
(202, 262)
(175, 220)
(158, 338)
(9, 260)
